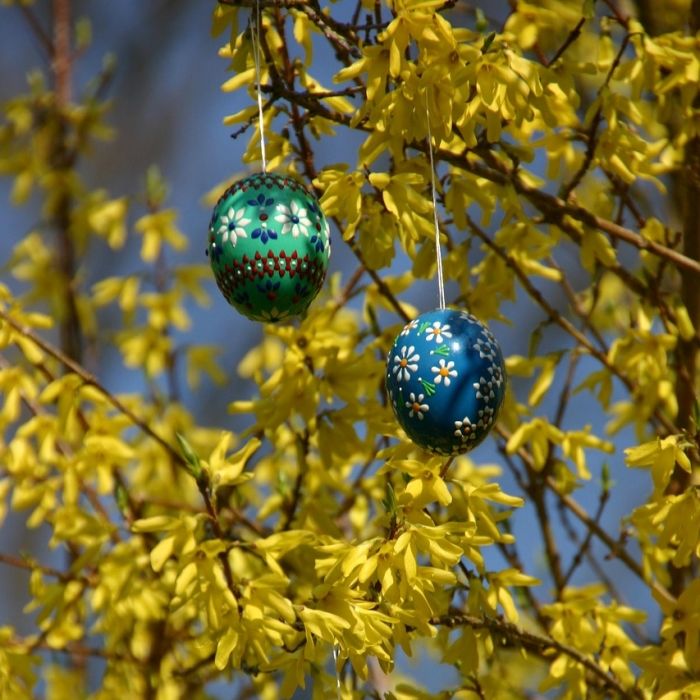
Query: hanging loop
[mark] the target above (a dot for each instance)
(256, 21)
(433, 188)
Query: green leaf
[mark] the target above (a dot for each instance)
(588, 9)
(606, 482)
(83, 33)
(481, 24)
(121, 496)
(194, 466)
(389, 501)
(156, 188)
(535, 338)
(488, 41)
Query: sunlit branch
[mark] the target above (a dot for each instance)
(573, 35)
(615, 546)
(553, 207)
(91, 380)
(592, 133)
(537, 644)
(30, 565)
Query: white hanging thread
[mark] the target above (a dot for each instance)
(337, 672)
(441, 281)
(255, 38)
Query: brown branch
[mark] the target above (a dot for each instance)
(556, 209)
(616, 547)
(62, 160)
(537, 493)
(584, 547)
(595, 565)
(574, 34)
(337, 34)
(40, 33)
(622, 190)
(621, 19)
(552, 206)
(382, 287)
(90, 380)
(62, 50)
(592, 133)
(302, 445)
(537, 644)
(29, 565)
(576, 307)
(349, 289)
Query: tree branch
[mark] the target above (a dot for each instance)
(39, 31)
(537, 644)
(615, 546)
(90, 380)
(556, 209)
(552, 206)
(574, 34)
(557, 317)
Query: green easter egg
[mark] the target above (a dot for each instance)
(269, 245)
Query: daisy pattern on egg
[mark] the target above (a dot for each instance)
(293, 219)
(418, 408)
(231, 226)
(438, 332)
(444, 371)
(465, 429)
(405, 363)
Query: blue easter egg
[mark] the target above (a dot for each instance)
(446, 380)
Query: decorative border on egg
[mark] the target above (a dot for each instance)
(231, 277)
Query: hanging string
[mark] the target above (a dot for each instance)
(441, 281)
(337, 672)
(255, 37)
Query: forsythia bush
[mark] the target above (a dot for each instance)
(311, 548)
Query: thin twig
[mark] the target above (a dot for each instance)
(584, 547)
(537, 644)
(62, 59)
(574, 34)
(553, 207)
(302, 445)
(616, 547)
(40, 33)
(29, 565)
(90, 380)
(592, 134)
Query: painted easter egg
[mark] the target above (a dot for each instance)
(269, 245)
(446, 380)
